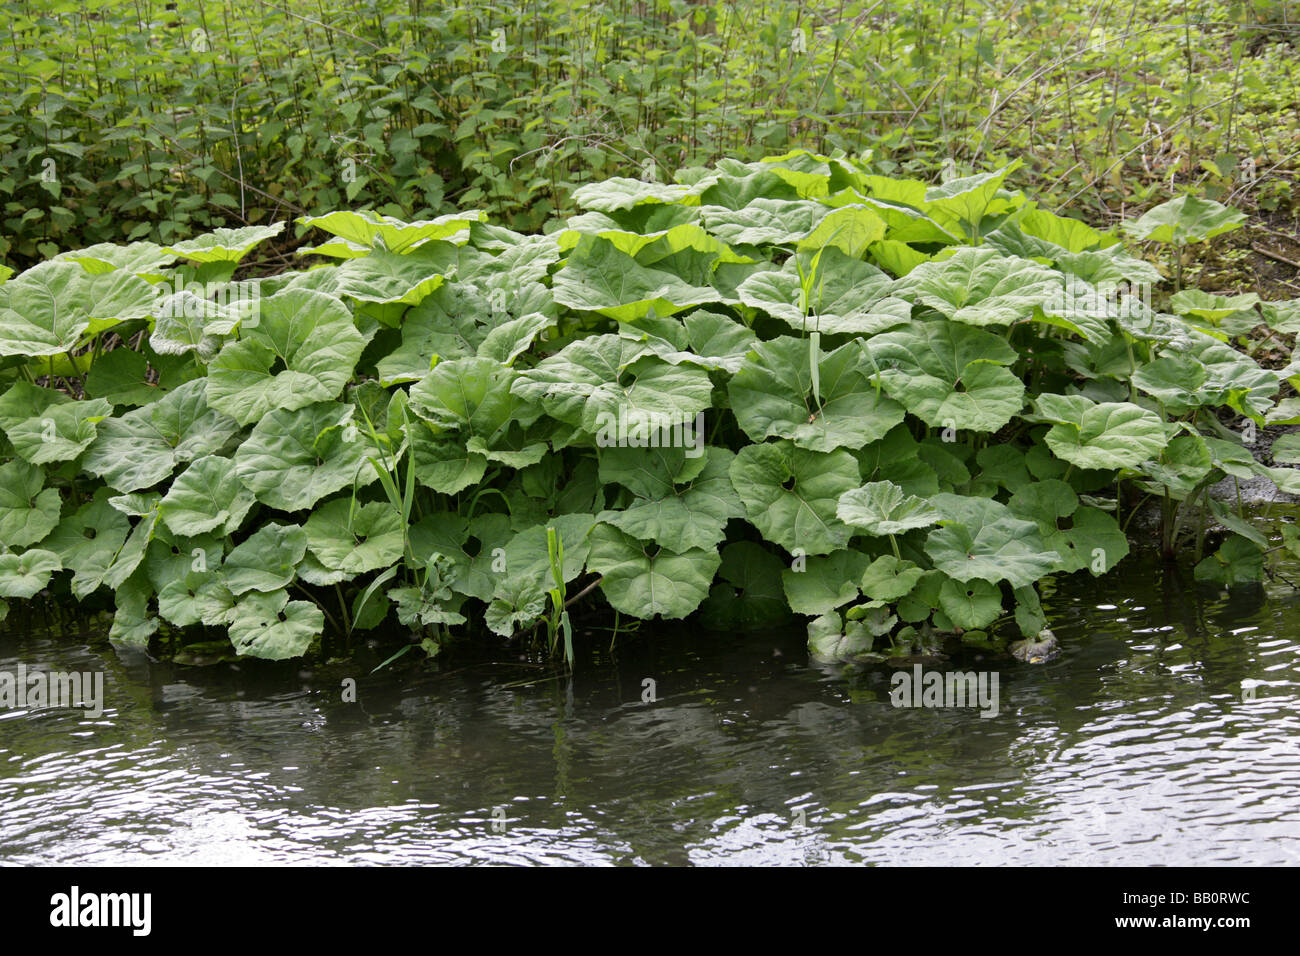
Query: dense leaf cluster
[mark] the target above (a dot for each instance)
(789, 386)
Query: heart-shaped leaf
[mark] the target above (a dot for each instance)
(646, 580)
(1185, 219)
(293, 459)
(22, 575)
(790, 494)
(355, 538)
(144, 446)
(47, 426)
(266, 561)
(206, 496)
(772, 396)
(882, 508)
(949, 375)
(848, 296)
(600, 278)
(982, 539)
(1111, 435)
(690, 515)
(301, 350)
(225, 245)
(28, 510)
(980, 286)
(272, 627)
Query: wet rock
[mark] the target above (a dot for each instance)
(1037, 650)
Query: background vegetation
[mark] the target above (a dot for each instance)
(147, 120)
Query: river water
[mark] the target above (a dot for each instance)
(1166, 732)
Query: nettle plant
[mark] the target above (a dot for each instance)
(788, 387)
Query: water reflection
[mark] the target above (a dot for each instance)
(1137, 745)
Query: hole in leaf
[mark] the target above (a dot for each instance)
(278, 366)
(473, 546)
(788, 484)
(626, 379)
(89, 534)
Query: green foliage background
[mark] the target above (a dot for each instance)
(128, 119)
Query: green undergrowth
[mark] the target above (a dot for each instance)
(156, 120)
(770, 391)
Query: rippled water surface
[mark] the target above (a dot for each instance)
(1166, 732)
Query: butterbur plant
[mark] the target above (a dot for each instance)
(908, 424)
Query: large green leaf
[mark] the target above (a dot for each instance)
(882, 508)
(271, 626)
(47, 309)
(765, 221)
(982, 286)
(790, 494)
(850, 229)
(718, 339)
(889, 578)
(141, 258)
(444, 463)
(206, 496)
(950, 374)
(383, 276)
(88, 540)
(825, 582)
(650, 472)
(598, 277)
(618, 193)
(959, 205)
(472, 395)
(46, 426)
(1112, 435)
(847, 296)
(772, 396)
(690, 515)
(1238, 561)
(292, 459)
(982, 539)
(1231, 377)
(527, 556)
(224, 245)
(1083, 537)
(302, 349)
(266, 561)
(474, 549)
(28, 510)
(647, 580)
(607, 383)
(355, 538)
(187, 323)
(1185, 219)
(144, 446)
(22, 575)
(970, 604)
(368, 229)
